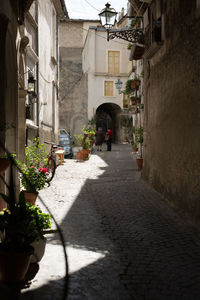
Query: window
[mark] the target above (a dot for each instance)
(109, 88)
(113, 62)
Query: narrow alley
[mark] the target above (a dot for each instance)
(123, 241)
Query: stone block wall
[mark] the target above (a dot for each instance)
(172, 109)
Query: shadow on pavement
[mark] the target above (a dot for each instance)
(131, 244)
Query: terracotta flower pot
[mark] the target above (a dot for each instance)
(137, 82)
(30, 197)
(79, 155)
(85, 153)
(133, 102)
(139, 161)
(4, 163)
(14, 265)
(133, 85)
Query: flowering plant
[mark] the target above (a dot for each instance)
(33, 179)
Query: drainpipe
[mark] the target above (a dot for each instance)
(37, 71)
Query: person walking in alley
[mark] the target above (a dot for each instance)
(109, 139)
(99, 139)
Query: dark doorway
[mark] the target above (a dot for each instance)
(108, 117)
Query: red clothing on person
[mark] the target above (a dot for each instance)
(109, 134)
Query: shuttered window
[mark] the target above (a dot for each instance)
(108, 88)
(113, 62)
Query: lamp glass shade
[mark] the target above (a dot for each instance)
(108, 16)
(118, 84)
(31, 85)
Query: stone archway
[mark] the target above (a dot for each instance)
(108, 117)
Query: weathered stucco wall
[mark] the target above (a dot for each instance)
(73, 90)
(172, 109)
(73, 83)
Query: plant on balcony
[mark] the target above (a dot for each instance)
(130, 86)
(135, 23)
(138, 99)
(133, 100)
(137, 81)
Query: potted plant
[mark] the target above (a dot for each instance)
(139, 139)
(130, 86)
(84, 142)
(137, 81)
(136, 22)
(33, 174)
(133, 100)
(134, 147)
(32, 180)
(36, 155)
(20, 225)
(138, 99)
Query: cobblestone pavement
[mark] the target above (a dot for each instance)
(123, 241)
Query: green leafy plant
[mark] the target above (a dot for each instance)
(142, 106)
(82, 141)
(128, 88)
(129, 46)
(139, 138)
(135, 22)
(22, 223)
(33, 179)
(126, 121)
(36, 155)
(88, 131)
(134, 145)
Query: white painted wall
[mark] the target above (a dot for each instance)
(95, 63)
(48, 110)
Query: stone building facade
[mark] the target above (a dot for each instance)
(42, 63)
(103, 63)
(84, 71)
(73, 83)
(172, 102)
(19, 60)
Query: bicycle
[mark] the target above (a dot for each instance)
(51, 162)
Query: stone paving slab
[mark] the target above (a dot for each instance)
(123, 241)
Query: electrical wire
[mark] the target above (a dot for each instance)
(91, 5)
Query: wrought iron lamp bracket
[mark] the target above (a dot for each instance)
(130, 35)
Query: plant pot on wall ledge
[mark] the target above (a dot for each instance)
(139, 161)
(137, 52)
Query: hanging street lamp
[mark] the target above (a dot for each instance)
(108, 19)
(118, 84)
(108, 16)
(31, 85)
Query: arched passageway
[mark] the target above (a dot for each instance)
(108, 117)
